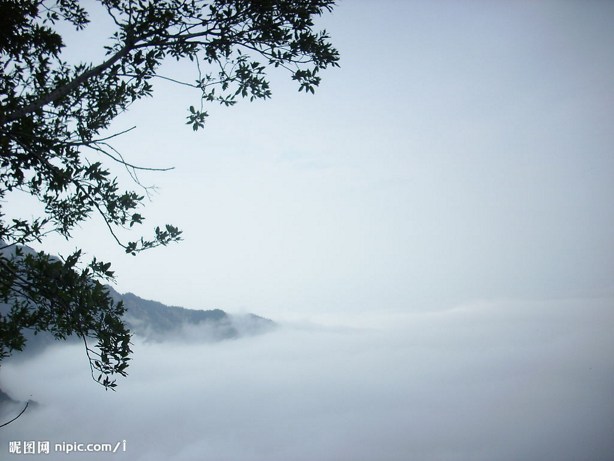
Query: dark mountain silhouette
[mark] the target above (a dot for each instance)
(154, 321)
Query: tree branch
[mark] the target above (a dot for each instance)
(21, 413)
(62, 91)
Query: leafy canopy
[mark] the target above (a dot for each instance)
(54, 141)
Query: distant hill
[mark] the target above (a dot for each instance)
(154, 321)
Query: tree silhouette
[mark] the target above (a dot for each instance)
(55, 144)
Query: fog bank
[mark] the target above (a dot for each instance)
(503, 380)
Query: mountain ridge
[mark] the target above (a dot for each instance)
(154, 321)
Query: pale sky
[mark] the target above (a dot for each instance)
(463, 151)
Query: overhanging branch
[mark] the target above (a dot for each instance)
(63, 91)
(21, 413)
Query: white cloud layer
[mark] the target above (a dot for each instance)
(513, 380)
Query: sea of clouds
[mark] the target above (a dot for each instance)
(492, 380)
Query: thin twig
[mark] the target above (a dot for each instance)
(22, 412)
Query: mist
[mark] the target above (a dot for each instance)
(490, 380)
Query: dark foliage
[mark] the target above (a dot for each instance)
(54, 140)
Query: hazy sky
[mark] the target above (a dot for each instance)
(463, 151)
(443, 205)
